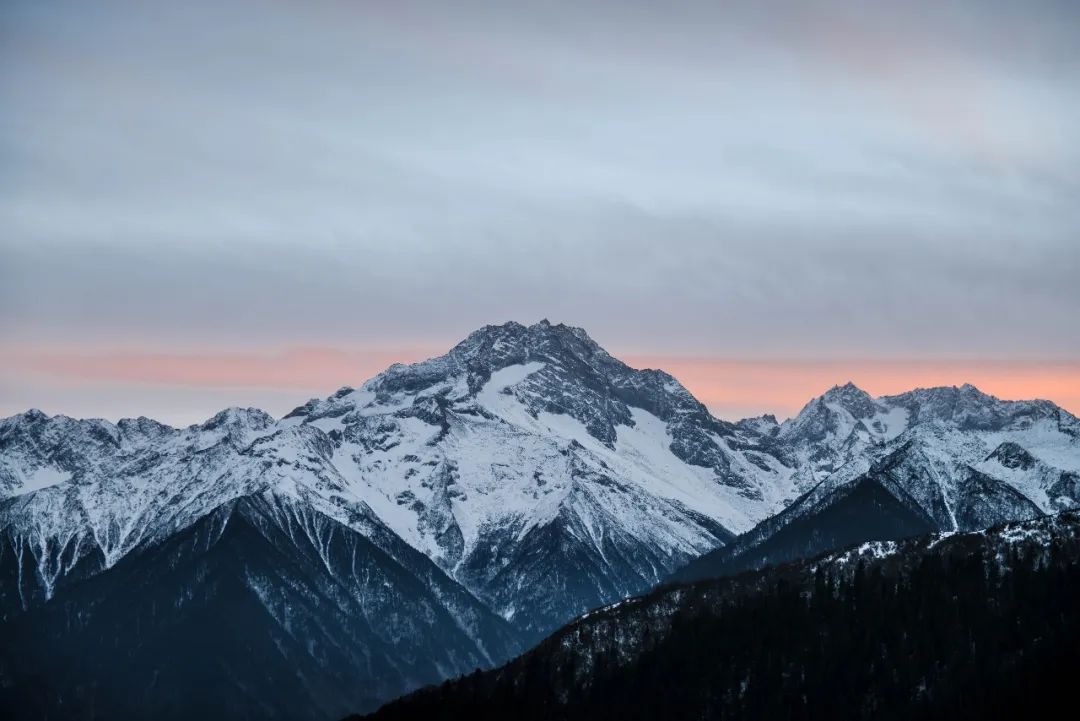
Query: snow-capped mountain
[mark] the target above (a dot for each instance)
(541, 472)
(942, 459)
(947, 431)
(532, 472)
(544, 475)
(533, 467)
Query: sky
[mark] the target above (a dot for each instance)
(254, 202)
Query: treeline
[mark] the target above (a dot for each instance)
(989, 632)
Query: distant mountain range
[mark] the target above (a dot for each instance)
(449, 514)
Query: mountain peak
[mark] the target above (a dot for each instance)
(851, 398)
(969, 408)
(30, 416)
(967, 389)
(494, 347)
(549, 368)
(540, 329)
(965, 394)
(848, 389)
(238, 413)
(22, 422)
(235, 420)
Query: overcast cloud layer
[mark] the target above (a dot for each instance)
(781, 180)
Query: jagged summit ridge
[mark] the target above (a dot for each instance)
(484, 351)
(852, 398)
(572, 375)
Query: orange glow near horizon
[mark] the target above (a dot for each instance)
(311, 368)
(738, 388)
(731, 388)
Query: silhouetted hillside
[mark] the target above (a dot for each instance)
(965, 626)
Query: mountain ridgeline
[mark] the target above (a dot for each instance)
(446, 516)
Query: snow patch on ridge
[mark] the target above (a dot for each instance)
(491, 396)
(43, 477)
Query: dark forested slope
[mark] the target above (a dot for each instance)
(963, 626)
(264, 609)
